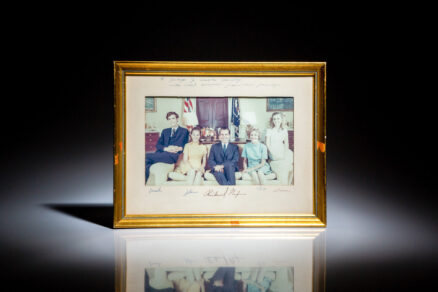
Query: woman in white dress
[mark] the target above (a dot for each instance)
(277, 141)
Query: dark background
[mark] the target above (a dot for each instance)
(58, 128)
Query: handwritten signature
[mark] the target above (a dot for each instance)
(152, 190)
(228, 192)
(189, 191)
(281, 190)
(232, 260)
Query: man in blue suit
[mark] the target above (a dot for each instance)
(170, 144)
(223, 159)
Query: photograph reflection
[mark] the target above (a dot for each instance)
(236, 279)
(286, 261)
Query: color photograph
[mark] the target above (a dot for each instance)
(218, 141)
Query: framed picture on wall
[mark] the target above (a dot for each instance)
(274, 104)
(150, 104)
(216, 144)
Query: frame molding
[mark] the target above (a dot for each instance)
(317, 70)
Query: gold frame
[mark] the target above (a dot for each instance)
(317, 70)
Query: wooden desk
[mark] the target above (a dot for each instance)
(291, 139)
(151, 139)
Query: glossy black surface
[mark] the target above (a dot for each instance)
(56, 190)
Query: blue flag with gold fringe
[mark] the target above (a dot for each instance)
(235, 115)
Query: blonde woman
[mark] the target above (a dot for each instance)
(194, 159)
(254, 156)
(277, 141)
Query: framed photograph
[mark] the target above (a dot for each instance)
(277, 104)
(210, 261)
(226, 144)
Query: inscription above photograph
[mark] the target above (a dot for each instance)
(219, 144)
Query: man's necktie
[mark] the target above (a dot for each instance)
(224, 148)
(173, 132)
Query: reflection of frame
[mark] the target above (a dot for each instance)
(275, 104)
(169, 201)
(172, 260)
(150, 104)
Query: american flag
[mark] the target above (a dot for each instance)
(235, 115)
(191, 119)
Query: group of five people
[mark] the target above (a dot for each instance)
(224, 156)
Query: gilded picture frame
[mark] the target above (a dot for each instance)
(141, 204)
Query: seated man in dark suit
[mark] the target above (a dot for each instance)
(170, 144)
(223, 159)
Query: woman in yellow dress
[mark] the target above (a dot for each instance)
(194, 159)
